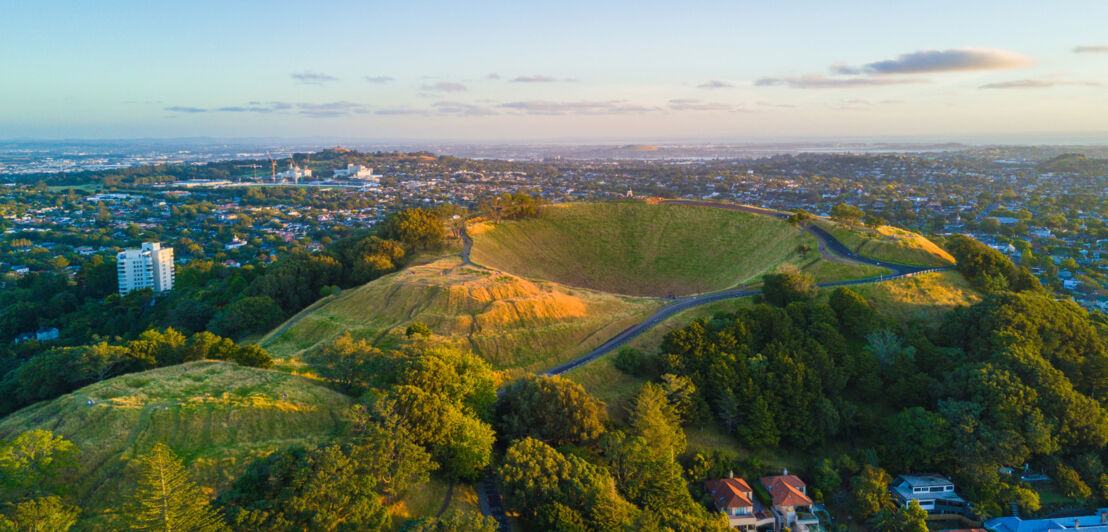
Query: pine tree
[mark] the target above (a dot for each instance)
(165, 498)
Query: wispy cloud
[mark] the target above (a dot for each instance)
(399, 111)
(815, 81)
(462, 109)
(312, 78)
(331, 109)
(714, 84)
(315, 110)
(182, 109)
(444, 86)
(1094, 49)
(379, 79)
(952, 60)
(545, 107)
(1039, 83)
(693, 104)
(537, 78)
(492, 75)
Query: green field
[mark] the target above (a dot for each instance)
(639, 248)
(889, 244)
(513, 323)
(217, 416)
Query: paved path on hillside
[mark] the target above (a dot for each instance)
(827, 242)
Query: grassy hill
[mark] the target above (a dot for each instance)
(217, 416)
(638, 248)
(889, 243)
(512, 322)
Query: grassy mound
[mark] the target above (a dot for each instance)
(217, 416)
(925, 297)
(637, 248)
(887, 243)
(508, 320)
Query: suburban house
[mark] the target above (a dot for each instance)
(734, 497)
(1097, 522)
(791, 505)
(934, 493)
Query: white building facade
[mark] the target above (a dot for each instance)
(150, 266)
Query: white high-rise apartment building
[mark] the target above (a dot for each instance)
(148, 267)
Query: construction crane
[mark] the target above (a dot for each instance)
(254, 166)
(273, 166)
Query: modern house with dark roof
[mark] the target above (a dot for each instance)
(734, 497)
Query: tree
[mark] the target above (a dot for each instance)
(922, 438)
(787, 285)
(910, 518)
(853, 311)
(166, 499)
(34, 462)
(848, 214)
(247, 315)
(325, 489)
(533, 474)
(456, 521)
(418, 328)
(44, 514)
(870, 492)
(1070, 483)
(416, 228)
(551, 409)
(253, 356)
(348, 363)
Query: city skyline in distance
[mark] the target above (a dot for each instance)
(567, 72)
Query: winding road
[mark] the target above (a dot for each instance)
(829, 245)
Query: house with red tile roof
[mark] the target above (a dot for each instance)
(734, 497)
(791, 504)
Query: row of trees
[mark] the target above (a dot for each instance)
(63, 369)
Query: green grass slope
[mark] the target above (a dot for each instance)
(217, 416)
(889, 243)
(512, 322)
(639, 248)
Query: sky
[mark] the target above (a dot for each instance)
(555, 71)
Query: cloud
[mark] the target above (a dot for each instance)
(693, 104)
(1038, 83)
(462, 109)
(379, 79)
(714, 84)
(493, 75)
(398, 111)
(815, 81)
(313, 78)
(331, 109)
(445, 86)
(544, 107)
(255, 107)
(1095, 49)
(180, 109)
(952, 60)
(316, 110)
(537, 78)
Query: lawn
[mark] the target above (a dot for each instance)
(889, 244)
(925, 298)
(217, 416)
(638, 248)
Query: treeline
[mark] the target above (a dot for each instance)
(1018, 378)
(60, 370)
